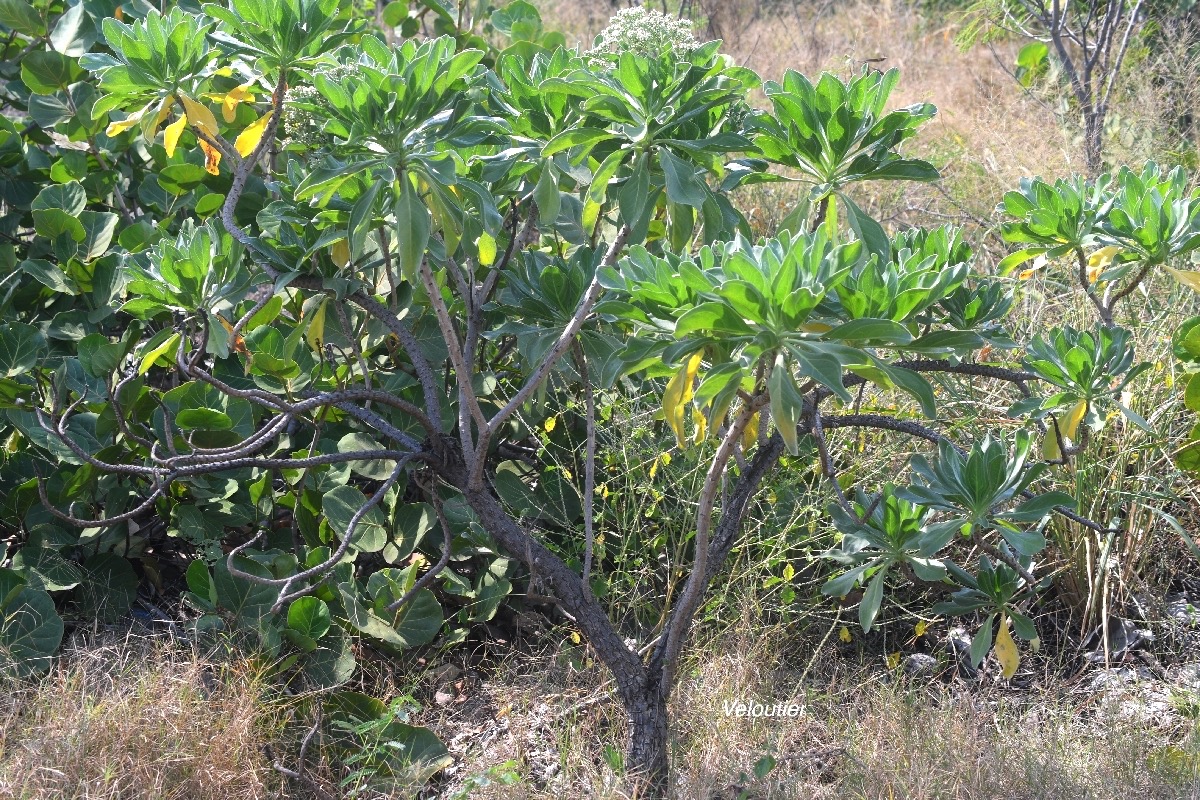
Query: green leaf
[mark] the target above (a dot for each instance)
(1191, 396)
(200, 582)
(574, 137)
(49, 275)
(245, 599)
(51, 223)
(45, 568)
(868, 607)
(208, 419)
(340, 506)
(332, 663)
(1025, 542)
(411, 521)
(74, 32)
(546, 195)
(375, 469)
(108, 588)
(395, 13)
(786, 405)
(867, 229)
(864, 330)
(164, 348)
(412, 229)
(21, 17)
(46, 72)
(711, 317)
(982, 642)
(684, 185)
(361, 218)
(309, 616)
(98, 227)
(21, 346)
(70, 198)
(30, 628)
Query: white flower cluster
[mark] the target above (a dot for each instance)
(646, 32)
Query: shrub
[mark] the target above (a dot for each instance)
(318, 374)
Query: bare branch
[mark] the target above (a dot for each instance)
(561, 344)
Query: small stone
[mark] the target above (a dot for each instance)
(920, 664)
(443, 698)
(1188, 674)
(445, 674)
(1183, 611)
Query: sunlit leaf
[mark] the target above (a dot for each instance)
(677, 395)
(487, 249)
(1186, 277)
(314, 334)
(172, 133)
(248, 139)
(199, 115)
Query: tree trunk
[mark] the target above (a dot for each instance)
(646, 763)
(1093, 142)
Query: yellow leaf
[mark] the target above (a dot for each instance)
(893, 660)
(700, 423)
(116, 128)
(172, 133)
(1188, 278)
(845, 635)
(1006, 650)
(677, 395)
(315, 335)
(1038, 263)
(1050, 449)
(248, 139)
(921, 627)
(201, 117)
(487, 249)
(1103, 257)
(212, 158)
(164, 111)
(665, 458)
(340, 252)
(154, 355)
(750, 433)
(1075, 416)
(550, 424)
(789, 572)
(1068, 426)
(816, 327)
(229, 102)
(238, 344)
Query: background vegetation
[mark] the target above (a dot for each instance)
(486, 688)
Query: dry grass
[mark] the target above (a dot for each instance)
(139, 718)
(861, 735)
(152, 718)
